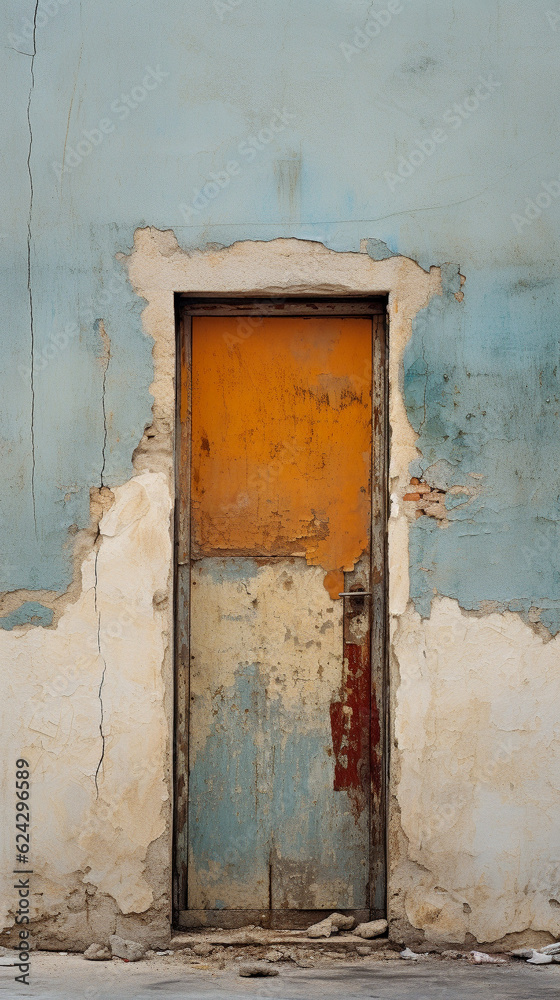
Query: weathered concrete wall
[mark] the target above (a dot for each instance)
(428, 136)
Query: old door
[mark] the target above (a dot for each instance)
(283, 746)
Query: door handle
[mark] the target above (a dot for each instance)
(356, 593)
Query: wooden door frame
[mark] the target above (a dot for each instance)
(374, 306)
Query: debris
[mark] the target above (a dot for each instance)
(164, 951)
(451, 953)
(274, 956)
(203, 950)
(524, 953)
(341, 922)
(537, 958)
(363, 950)
(481, 958)
(98, 953)
(245, 938)
(130, 951)
(551, 949)
(323, 929)
(289, 955)
(257, 969)
(372, 929)
(411, 956)
(305, 963)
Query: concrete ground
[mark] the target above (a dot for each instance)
(178, 977)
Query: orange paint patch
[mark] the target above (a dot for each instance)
(334, 583)
(281, 432)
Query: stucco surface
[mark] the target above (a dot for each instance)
(478, 775)
(155, 150)
(85, 706)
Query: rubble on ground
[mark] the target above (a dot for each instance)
(539, 956)
(341, 922)
(412, 956)
(257, 969)
(372, 929)
(323, 929)
(482, 958)
(332, 940)
(130, 951)
(98, 953)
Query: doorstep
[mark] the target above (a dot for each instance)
(253, 937)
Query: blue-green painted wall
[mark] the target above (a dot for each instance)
(481, 376)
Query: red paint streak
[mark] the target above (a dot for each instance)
(350, 724)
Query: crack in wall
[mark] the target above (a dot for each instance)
(101, 683)
(105, 361)
(30, 293)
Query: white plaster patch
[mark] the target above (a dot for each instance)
(479, 755)
(52, 690)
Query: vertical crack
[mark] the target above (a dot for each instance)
(101, 683)
(105, 360)
(30, 293)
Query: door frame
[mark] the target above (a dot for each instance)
(366, 305)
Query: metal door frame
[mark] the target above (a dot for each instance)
(374, 306)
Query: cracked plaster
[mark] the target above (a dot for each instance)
(98, 732)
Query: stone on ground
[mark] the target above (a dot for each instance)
(273, 956)
(203, 949)
(98, 953)
(537, 958)
(371, 929)
(323, 929)
(363, 949)
(257, 969)
(411, 956)
(482, 958)
(130, 951)
(342, 922)
(551, 949)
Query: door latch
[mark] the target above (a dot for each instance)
(356, 593)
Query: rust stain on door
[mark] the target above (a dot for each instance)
(278, 422)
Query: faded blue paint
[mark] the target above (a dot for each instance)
(488, 406)
(28, 613)
(262, 810)
(481, 375)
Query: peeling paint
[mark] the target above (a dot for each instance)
(282, 439)
(104, 861)
(28, 613)
(265, 670)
